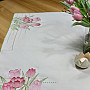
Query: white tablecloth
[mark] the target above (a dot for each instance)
(50, 48)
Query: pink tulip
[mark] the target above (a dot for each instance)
(36, 24)
(73, 8)
(14, 73)
(77, 12)
(69, 1)
(30, 73)
(27, 20)
(36, 19)
(36, 85)
(16, 82)
(23, 26)
(6, 86)
(77, 17)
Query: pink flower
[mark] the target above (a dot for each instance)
(69, 1)
(27, 20)
(30, 73)
(77, 17)
(36, 85)
(23, 26)
(6, 86)
(36, 24)
(14, 73)
(73, 8)
(77, 12)
(16, 82)
(36, 19)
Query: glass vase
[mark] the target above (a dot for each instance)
(86, 46)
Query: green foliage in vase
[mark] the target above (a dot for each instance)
(80, 10)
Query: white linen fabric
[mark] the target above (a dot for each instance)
(50, 48)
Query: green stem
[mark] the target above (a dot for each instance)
(28, 80)
(14, 88)
(25, 88)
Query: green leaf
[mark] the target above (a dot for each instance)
(23, 74)
(88, 5)
(76, 1)
(83, 12)
(0, 86)
(86, 48)
(81, 23)
(86, 20)
(33, 79)
(21, 88)
(83, 5)
(88, 43)
(3, 80)
(87, 24)
(28, 28)
(65, 4)
(43, 79)
(78, 5)
(14, 27)
(26, 87)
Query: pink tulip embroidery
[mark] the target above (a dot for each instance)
(29, 82)
(30, 73)
(14, 73)
(23, 26)
(16, 82)
(6, 86)
(36, 19)
(36, 85)
(36, 24)
(25, 22)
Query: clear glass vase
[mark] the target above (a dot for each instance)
(86, 46)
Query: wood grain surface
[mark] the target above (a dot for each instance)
(9, 7)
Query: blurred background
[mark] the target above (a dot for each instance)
(9, 7)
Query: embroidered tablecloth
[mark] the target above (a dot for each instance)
(49, 43)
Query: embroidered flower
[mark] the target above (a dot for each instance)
(23, 26)
(36, 24)
(14, 73)
(27, 20)
(23, 82)
(36, 19)
(30, 73)
(6, 86)
(36, 85)
(16, 82)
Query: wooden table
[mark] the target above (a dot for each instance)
(9, 7)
